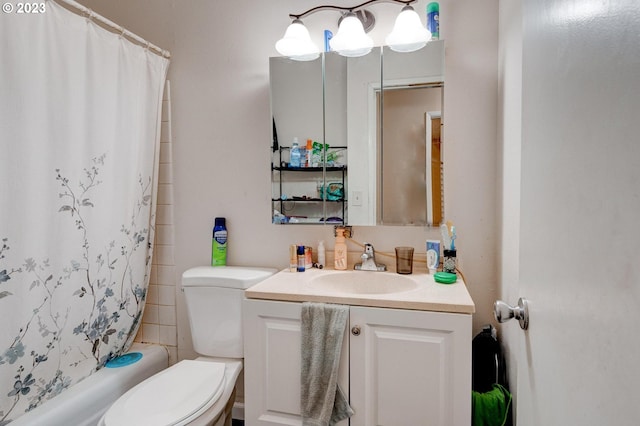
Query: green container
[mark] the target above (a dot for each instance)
(433, 20)
(219, 243)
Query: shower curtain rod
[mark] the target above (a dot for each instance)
(111, 26)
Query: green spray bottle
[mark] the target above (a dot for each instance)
(219, 243)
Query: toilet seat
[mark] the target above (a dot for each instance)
(172, 397)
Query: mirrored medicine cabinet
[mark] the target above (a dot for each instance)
(373, 125)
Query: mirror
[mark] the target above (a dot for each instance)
(409, 162)
(312, 192)
(375, 113)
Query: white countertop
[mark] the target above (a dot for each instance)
(426, 296)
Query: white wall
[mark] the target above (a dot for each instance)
(159, 319)
(221, 130)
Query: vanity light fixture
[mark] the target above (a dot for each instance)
(351, 40)
(297, 43)
(408, 33)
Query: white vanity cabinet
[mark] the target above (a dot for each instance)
(409, 367)
(272, 363)
(399, 367)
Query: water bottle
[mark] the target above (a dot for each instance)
(219, 243)
(295, 156)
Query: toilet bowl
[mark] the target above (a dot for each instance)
(198, 392)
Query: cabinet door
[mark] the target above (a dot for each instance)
(410, 368)
(272, 363)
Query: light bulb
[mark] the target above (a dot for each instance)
(297, 44)
(351, 39)
(408, 33)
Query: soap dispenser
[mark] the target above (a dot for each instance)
(340, 251)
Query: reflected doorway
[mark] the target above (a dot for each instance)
(411, 117)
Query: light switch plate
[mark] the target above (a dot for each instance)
(356, 198)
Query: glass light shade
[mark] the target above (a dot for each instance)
(297, 44)
(351, 39)
(408, 32)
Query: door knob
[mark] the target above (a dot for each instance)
(504, 312)
(355, 330)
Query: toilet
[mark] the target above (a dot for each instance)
(202, 391)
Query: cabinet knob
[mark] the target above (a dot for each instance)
(355, 330)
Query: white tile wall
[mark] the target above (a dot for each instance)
(159, 319)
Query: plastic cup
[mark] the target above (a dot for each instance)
(404, 260)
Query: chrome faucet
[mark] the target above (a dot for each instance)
(369, 261)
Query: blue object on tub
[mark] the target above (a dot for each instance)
(124, 360)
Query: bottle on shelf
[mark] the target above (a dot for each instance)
(309, 152)
(316, 158)
(294, 155)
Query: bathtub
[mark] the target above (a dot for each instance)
(84, 403)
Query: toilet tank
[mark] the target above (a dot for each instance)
(213, 297)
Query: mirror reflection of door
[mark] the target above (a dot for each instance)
(433, 126)
(403, 150)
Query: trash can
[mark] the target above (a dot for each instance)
(491, 400)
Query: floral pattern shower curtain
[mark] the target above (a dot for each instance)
(79, 140)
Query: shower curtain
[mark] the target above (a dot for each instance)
(79, 140)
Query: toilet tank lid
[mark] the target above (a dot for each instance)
(240, 277)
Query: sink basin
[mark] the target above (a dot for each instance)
(362, 282)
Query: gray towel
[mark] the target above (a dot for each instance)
(322, 403)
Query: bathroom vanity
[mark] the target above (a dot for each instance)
(406, 355)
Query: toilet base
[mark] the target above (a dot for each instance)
(223, 419)
(233, 367)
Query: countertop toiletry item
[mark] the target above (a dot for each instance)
(340, 251)
(446, 238)
(404, 260)
(453, 238)
(445, 277)
(433, 20)
(294, 155)
(308, 257)
(219, 243)
(301, 260)
(321, 255)
(293, 258)
(449, 261)
(433, 256)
